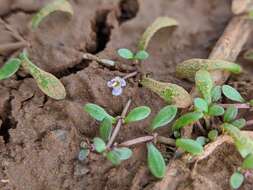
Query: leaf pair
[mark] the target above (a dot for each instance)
(128, 54)
(202, 106)
(56, 5)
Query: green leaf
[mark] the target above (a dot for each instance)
(204, 84)
(202, 140)
(84, 152)
(236, 180)
(125, 53)
(232, 94)
(156, 162)
(141, 55)
(242, 142)
(56, 5)
(159, 23)
(216, 110)
(171, 93)
(213, 134)
(200, 105)
(230, 114)
(251, 103)
(239, 123)
(248, 162)
(188, 68)
(48, 83)
(97, 112)
(99, 144)
(187, 119)
(114, 157)
(124, 153)
(164, 116)
(105, 129)
(138, 114)
(189, 145)
(9, 68)
(216, 93)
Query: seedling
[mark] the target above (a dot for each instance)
(129, 55)
(117, 152)
(47, 82)
(56, 5)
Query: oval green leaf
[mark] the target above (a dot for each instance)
(236, 180)
(248, 162)
(97, 112)
(200, 105)
(202, 140)
(216, 110)
(164, 116)
(213, 134)
(138, 114)
(159, 23)
(56, 5)
(113, 157)
(187, 119)
(216, 93)
(48, 83)
(239, 123)
(230, 114)
(9, 68)
(123, 153)
(204, 84)
(105, 129)
(232, 94)
(125, 53)
(99, 145)
(141, 55)
(188, 68)
(156, 162)
(189, 145)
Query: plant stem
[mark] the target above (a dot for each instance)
(201, 127)
(130, 75)
(160, 139)
(248, 123)
(239, 106)
(119, 124)
(105, 62)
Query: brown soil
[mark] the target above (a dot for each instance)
(40, 137)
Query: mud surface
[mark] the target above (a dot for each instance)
(40, 137)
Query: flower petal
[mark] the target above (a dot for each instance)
(110, 83)
(117, 91)
(122, 82)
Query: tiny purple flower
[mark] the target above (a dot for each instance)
(116, 84)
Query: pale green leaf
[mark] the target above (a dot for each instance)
(236, 180)
(232, 94)
(213, 134)
(239, 123)
(230, 114)
(9, 68)
(105, 129)
(99, 144)
(248, 162)
(56, 5)
(187, 119)
(200, 105)
(124, 153)
(156, 162)
(164, 116)
(216, 93)
(125, 53)
(204, 84)
(216, 110)
(137, 114)
(189, 145)
(159, 23)
(114, 157)
(141, 55)
(47, 82)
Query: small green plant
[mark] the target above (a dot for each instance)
(56, 5)
(47, 82)
(129, 55)
(117, 152)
